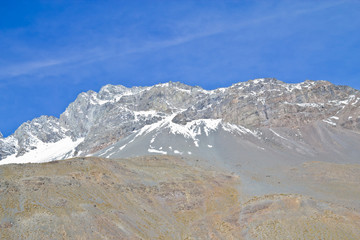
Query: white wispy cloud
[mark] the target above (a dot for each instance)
(28, 67)
(101, 53)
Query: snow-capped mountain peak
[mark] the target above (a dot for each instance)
(100, 119)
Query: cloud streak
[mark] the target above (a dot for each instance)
(101, 53)
(29, 67)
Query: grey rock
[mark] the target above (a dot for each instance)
(45, 129)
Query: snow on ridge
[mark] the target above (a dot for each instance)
(132, 91)
(278, 85)
(167, 84)
(183, 90)
(105, 95)
(258, 80)
(293, 87)
(117, 88)
(194, 128)
(98, 101)
(10, 140)
(208, 124)
(174, 85)
(351, 99)
(146, 114)
(232, 128)
(46, 152)
(240, 85)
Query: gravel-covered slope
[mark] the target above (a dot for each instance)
(161, 197)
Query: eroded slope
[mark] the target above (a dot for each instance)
(155, 197)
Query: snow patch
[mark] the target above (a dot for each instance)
(150, 113)
(346, 101)
(193, 129)
(46, 152)
(329, 122)
(356, 101)
(262, 100)
(313, 105)
(232, 128)
(151, 150)
(278, 135)
(109, 149)
(190, 130)
(122, 147)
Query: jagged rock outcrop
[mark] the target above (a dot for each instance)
(8, 146)
(45, 129)
(270, 102)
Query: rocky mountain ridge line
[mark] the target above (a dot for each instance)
(116, 111)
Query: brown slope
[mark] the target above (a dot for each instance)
(154, 198)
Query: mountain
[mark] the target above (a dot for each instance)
(260, 159)
(95, 121)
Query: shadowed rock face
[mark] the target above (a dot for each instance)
(155, 197)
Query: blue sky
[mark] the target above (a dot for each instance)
(53, 50)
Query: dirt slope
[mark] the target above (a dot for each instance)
(155, 197)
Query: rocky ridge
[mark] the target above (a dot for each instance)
(115, 112)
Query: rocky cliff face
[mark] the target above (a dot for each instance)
(271, 103)
(115, 112)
